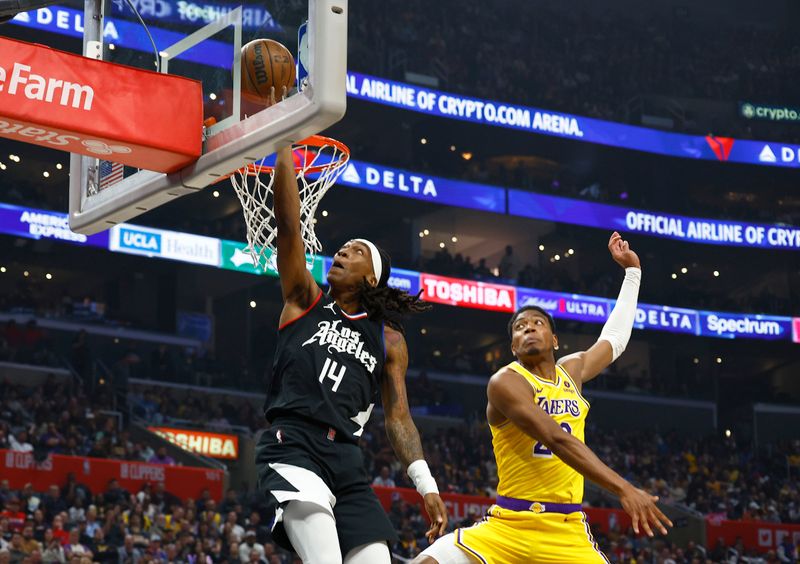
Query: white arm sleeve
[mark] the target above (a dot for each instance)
(617, 330)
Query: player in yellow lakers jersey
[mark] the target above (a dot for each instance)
(537, 415)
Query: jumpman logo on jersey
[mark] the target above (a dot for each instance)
(331, 306)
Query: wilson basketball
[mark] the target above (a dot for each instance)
(266, 63)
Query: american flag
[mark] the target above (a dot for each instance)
(110, 173)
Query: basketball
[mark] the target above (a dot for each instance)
(266, 63)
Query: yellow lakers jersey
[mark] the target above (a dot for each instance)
(525, 467)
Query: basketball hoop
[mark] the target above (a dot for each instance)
(318, 161)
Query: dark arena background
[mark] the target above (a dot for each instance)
(495, 148)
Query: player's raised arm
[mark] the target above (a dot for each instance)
(403, 434)
(297, 285)
(512, 396)
(585, 365)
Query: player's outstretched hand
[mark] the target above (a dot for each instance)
(621, 252)
(641, 506)
(438, 514)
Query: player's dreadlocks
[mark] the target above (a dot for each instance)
(389, 305)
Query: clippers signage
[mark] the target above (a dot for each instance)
(40, 224)
(754, 535)
(468, 293)
(68, 102)
(216, 445)
(423, 187)
(732, 325)
(461, 507)
(565, 306)
(678, 227)
(535, 120)
(21, 468)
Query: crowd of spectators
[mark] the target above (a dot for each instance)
(714, 476)
(73, 524)
(59, 418)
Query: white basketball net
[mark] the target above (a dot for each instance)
(318, 166)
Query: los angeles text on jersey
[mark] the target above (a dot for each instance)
(343, 340)
(559, 406)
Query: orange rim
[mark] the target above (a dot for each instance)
(254, 169)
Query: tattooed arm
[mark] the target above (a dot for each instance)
(403, 433)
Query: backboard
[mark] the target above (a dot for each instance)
(203, 41)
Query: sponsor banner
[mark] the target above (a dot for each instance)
(234, 256)
(68, 21)
(406, 280)
(216, 445)
(565, 306)
(468, 293)
(535, 120)
(461, 507)
(766, 112)
(733, 325)
(64, 101)
(419, 186)
(755, 535)
(135, 240)
(195, 14)
(665, 318)
(678, 227)
(40, 224)
(796, 329)
(128, 34)
(20, 468)
(184, 247)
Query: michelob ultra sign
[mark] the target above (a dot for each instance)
(215, 445)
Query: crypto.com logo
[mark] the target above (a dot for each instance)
(721, 146)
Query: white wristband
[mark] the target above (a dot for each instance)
(420, 474)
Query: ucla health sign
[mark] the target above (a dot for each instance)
(387, 180)
(172, 245)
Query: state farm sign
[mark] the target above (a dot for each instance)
(216, 445)
(468, 293)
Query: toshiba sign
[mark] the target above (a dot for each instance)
(467, 293)
(216, 445)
